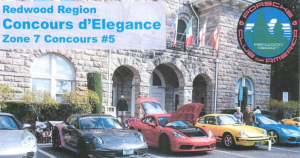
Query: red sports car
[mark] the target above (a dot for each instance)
(173, 132)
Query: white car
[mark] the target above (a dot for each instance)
(15, 141)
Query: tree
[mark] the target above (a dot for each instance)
(285, 74)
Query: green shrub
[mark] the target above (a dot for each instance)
(25, 113)
(6, 93)
(95, 84)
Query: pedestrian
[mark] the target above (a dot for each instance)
(257, 111)
(249, 117)
(238, 114)
(122, 107)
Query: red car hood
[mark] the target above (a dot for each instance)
(188, 112)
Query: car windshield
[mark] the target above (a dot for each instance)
(152, 108)
(227, 120)
(267, 120)
(162, 120)
(179, 124)
(99, 122)
(8, 123)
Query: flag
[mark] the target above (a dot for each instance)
(189, 33)
(215, 39)
(174, 29)
(202, 35)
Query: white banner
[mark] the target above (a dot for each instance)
(82, 25)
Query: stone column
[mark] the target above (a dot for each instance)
(141, 90)
(185, 95)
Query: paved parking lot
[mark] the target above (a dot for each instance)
(278, 151)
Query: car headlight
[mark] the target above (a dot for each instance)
(97, 140)
(285, 131)
(242, 133)
(141, 137)
(210, 133)
(264, 132)
(176, 134)
(28, 140)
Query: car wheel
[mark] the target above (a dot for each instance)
(164, 144)
(55, 140)
(228, 140)
(81, 149)
(273, 137)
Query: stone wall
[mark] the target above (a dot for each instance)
(180, 67)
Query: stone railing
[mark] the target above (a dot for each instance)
(109, 110)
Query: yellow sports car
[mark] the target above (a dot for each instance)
(228, 130)
(293, 121)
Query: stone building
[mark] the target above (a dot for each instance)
(174, 76)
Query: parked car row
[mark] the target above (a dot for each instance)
(95, 135)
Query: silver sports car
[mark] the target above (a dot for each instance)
(15, 142)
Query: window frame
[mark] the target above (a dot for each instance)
(250, 93)
(53, 76)
(183, 34)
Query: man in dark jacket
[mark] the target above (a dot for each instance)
(122, 107)
(249, 117)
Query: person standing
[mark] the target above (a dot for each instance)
(122, 107)
(238, 114)
(249, 117)
(257, 111)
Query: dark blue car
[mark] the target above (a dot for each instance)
(278, 133)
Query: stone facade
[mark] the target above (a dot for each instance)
(189, 74)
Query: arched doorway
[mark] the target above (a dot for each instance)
(157, 86)
(164, 85)
(199, 90)
(124, 84)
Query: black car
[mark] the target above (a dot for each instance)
(95, 135)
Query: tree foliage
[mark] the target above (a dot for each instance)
(6, 93)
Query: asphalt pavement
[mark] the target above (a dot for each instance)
(277, 151)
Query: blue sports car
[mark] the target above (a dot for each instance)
(278, 133)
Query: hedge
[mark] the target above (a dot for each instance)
(25, 113)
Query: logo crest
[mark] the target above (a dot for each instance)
(267, 32)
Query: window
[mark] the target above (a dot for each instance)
(181, 30)
(210, 120)
(202, 120)
(54, 74)
(245, 82)
(149, 120)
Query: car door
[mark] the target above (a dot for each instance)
(71, 135)
(209, 122)
(145, 129)
(153, 132)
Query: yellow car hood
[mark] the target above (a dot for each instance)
(250, 131)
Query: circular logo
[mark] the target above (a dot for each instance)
(267, 32)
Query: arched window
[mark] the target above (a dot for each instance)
(54, 74)
(245, 82)
(180, 30)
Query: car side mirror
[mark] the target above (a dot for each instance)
(26, 125)
(71, 127)
(151, 124)
(256, 124)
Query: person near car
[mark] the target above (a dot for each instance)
(249, 117)
(238, 114)
(122, 107)
(257, 111)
